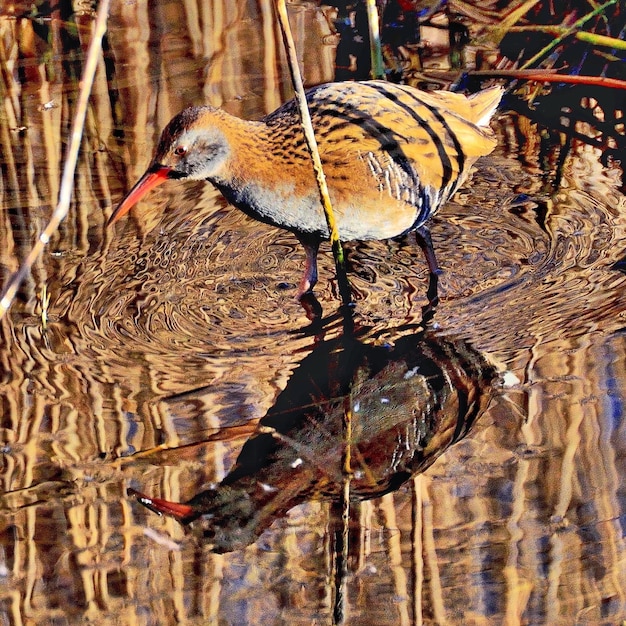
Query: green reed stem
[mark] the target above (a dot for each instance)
(601, 40)
(378, 68)
(582, 35)
(571, 30)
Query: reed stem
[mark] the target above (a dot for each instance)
(570, 31)
(309, 135)
(378, 68)
(71, 158)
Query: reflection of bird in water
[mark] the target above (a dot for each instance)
(406, 404)
(392, 156)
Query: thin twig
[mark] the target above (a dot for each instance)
(582, 35)
(574, 27)
(309, 136)
(503, 27)
(71, 158)
(549, 76)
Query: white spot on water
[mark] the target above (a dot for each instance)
(411, 373)
(509, 379)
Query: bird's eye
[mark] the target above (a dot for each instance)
(180, 150)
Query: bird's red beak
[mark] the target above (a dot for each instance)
(177, 510)
(151, 179)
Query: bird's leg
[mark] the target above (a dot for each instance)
(425, 242)
(311, 245)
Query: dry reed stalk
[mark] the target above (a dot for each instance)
(71, 158)
(309, 134)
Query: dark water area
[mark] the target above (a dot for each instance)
(168, 355)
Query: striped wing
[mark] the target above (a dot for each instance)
(409, 146)
(430, 133)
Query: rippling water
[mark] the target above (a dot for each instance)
(169, 336)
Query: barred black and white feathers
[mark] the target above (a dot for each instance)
(392, 155)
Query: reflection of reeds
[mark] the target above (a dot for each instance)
(69, 164)
(39, 96)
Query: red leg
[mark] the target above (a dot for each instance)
(424, 241)
(311, 245)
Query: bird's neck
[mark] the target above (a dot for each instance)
(268, 173)
(260, 155)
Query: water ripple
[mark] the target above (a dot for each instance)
(203, 281)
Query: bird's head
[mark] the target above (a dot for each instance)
(191, 146)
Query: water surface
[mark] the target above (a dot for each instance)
(168, 337)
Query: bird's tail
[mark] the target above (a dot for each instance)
(477, 108)
(484, 104)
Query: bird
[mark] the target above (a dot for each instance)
(392, 155)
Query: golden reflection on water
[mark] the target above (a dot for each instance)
(168, 338)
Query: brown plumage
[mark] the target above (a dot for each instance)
(392, 155)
